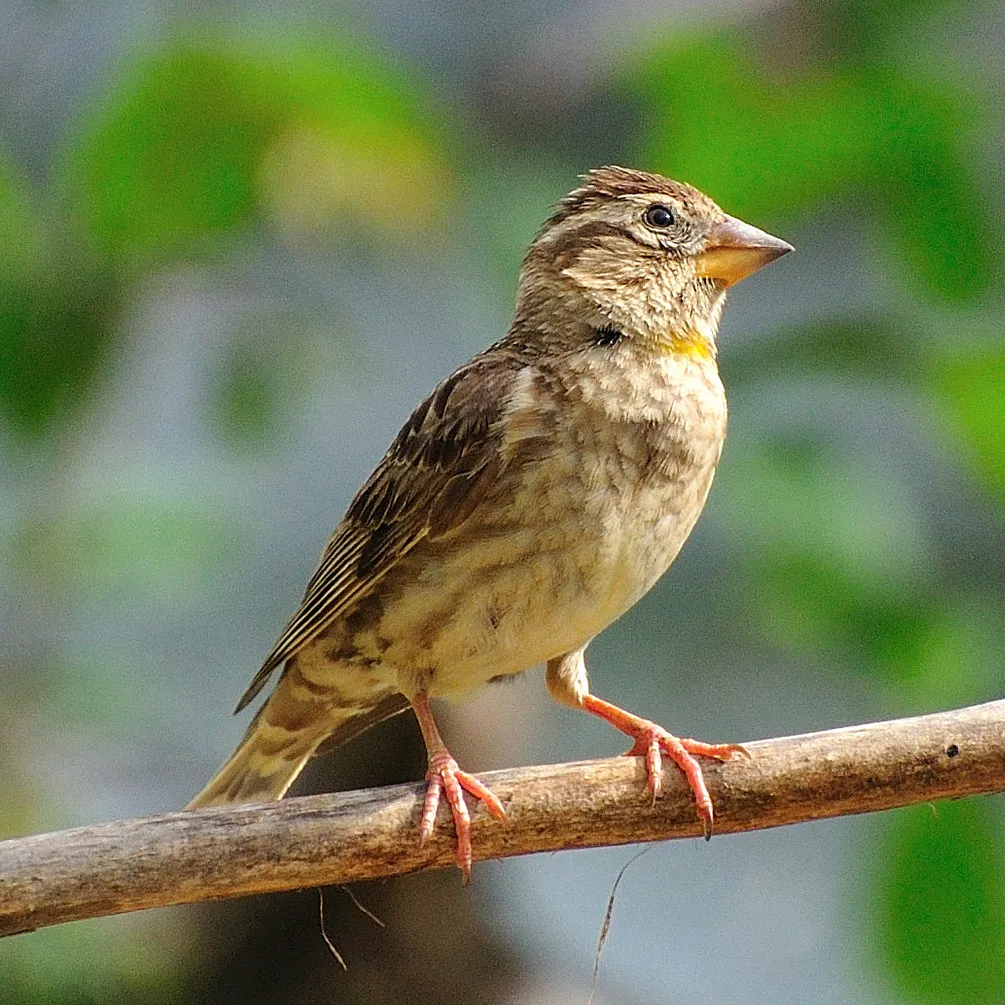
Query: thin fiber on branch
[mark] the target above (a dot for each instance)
(178, 858)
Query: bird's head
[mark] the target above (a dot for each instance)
(649, 256)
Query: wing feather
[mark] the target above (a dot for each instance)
(440, 465)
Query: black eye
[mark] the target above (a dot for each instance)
(659, 216)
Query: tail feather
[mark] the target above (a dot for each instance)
(264, 766)
(281, 739)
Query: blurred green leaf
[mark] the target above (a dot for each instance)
(861, 29)
(109, 961)
(271, 367)
(803, 502)
(55, 314)
(805, 602)
(757, 145)
(55, 330)
(21, 233)
(171, 156)
(926, 192)
(940, 904)
(246, 403)
(192, 141)
(850, 347)
(762, 142)
(970, 386)
(840, 562)
(769, 142)
(954, 653)
(127, 548)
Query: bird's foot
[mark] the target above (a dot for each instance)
(446, 778)
(653, 741)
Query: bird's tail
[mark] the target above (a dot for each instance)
(284, 734)
(287, 731)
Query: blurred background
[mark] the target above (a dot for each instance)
(240, 242)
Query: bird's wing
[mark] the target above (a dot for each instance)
(427, 484)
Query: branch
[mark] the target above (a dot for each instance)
(179, 858)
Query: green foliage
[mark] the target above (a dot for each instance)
(53, 314)
(851, 348)
(246, 403)
(172, 158)
(863, 30)
(188, 145)
(128, 548)
(842, 558)
(970, 385)
(54, 328)
(839, 561)
(20, 229)
(267, 370)
(195, 140)
(940, 906)
(112, 961)
(861, 138)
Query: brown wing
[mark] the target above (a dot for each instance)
(426, 485)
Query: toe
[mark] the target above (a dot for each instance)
(654, 769)
(430, 806)
(483, 793)
(462, 827)
(447, 780)
(717, 751)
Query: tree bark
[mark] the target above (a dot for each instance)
(178, 858)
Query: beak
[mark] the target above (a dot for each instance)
(735, 250)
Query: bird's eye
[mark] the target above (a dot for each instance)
(659, 217)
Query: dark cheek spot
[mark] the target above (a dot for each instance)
(952, 750)
(608, 335)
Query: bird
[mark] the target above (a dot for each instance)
(530, 500)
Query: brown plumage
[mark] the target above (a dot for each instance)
(530, 500)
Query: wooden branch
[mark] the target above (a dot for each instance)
(178, 858)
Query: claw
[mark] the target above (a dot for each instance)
(652, 741)
(706, 825)
(446, 778)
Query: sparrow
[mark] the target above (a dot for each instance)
(529, 501)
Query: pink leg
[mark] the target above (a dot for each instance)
(446, 778)
(652, 741)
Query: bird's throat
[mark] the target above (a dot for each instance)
(689, 342)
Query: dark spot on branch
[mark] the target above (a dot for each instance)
(952, 750)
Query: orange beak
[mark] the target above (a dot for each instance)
(734, 250)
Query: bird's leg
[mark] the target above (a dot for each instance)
(652, 741)
(446, 778)
(567, 682)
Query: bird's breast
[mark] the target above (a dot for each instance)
(578, 528)
(658, 434)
